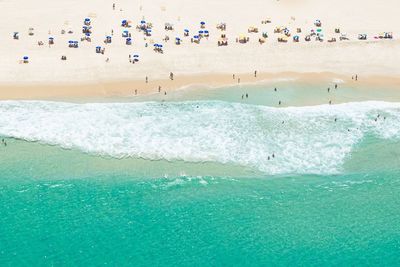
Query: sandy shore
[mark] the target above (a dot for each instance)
(100, 90)
(86, 73)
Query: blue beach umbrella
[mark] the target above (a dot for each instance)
(136, 56)
(71, 42)
(186, 30)
(98, 47)
(160, 46)
(26, 57)
(196, 36)
(143, 22)
(202, 23)
(205, 31)
(201, 32)
(87, 19)
(51, 38)
(87, 34)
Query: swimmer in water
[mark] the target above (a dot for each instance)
(275, 89)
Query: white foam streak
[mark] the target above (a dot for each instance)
(309, 140)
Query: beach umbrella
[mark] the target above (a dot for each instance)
(186, 30)
(202, 23)
(143, 22)
(196, 36)
(51, 38)
(87, 19)
(124, 21)
(135, 55)
(319, 30)
(71, 42)
(98, 47)
(87, 34)
(26, 57)
(160, 46)
(108, 37)
(201, 32)
(206, 31)
(177, 38)
(128, 39)
(149, 30)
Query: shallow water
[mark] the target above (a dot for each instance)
(189, 183)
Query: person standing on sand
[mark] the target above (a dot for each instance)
(247, 95)
(238, 80)
(329, 89)
(335, 86)
(356, 77)
(233, 76)
(147, 79)
(171, 76)
(113, 6)
(135, 91)
(159, 88)
(255, 74)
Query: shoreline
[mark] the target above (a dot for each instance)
(126, 88)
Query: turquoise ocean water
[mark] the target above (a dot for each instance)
(203, 178)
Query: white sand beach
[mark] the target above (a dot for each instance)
(191, 63)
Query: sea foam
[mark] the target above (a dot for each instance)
(272, 140)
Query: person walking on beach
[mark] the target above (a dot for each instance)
(135, 91)
(255, 74)
(329, 89)
(171, 76)
(113, 6)
(275, 89)
(356, 77)
(159, 88)
(335, 86)
(238, 80)
(247, 95)
(233, 76)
